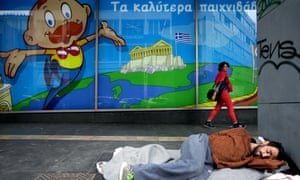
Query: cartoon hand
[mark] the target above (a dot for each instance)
(109, 33)
(13, 62)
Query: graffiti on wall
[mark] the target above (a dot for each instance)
(265, 6)
(279, 50)
(279, 57)
(271, 50)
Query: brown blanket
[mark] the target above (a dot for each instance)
(231, 149)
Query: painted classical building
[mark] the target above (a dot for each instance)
(158, 57)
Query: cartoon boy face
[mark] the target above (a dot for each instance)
(54, 24)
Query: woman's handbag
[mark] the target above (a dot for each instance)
(210, 94)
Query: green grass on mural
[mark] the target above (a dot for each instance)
(244, 80)
(171, 100)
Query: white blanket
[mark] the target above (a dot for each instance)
(155, 153)
(151, 153)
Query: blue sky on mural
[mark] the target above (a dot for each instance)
(181, 19)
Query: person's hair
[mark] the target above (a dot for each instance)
(221, 65)
(281, 154)
(293, 169)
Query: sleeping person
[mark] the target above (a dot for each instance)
(200, 154)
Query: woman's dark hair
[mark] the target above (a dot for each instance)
(221, 65)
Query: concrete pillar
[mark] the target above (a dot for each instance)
(278, 51)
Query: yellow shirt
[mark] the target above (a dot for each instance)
(69, 58)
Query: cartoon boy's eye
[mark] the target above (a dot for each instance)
(49, 19)
(66, 10)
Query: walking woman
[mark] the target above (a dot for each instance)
(221, 95)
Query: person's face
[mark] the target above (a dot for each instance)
(225, 68)
(265, 151)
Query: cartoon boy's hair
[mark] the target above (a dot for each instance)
(40, 3)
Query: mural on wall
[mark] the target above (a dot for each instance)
(227, 32)
(56, 27)
(157, 68)
(150, 57)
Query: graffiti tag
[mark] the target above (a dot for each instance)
(264, 5)
(281, 50)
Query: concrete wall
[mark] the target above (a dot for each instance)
(279, 73)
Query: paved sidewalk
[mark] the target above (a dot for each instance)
(38, 151)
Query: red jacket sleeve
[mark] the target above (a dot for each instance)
(220, 77)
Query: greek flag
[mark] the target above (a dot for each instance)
(183, 37)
